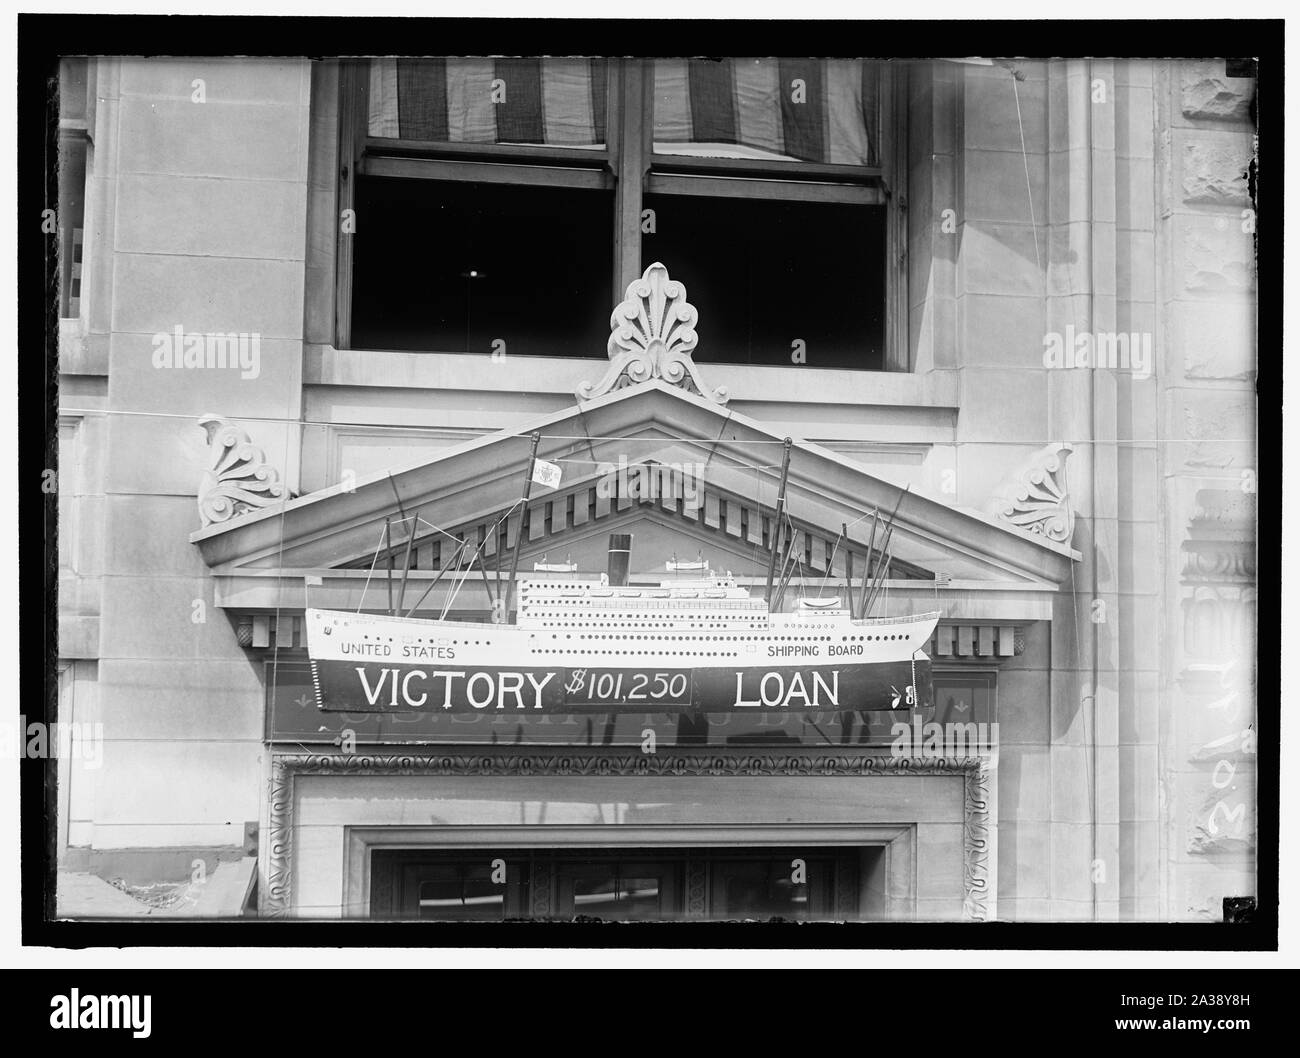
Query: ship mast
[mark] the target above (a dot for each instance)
(883, 559)
(778, 520)
(519, 536)
(388, 541)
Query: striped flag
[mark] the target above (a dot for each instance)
(558, 102)
(815, 110)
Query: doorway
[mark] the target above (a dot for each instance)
(791, 883)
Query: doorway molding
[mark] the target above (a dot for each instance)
(897, 842)
(286, 768)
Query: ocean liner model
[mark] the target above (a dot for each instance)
(582, 645)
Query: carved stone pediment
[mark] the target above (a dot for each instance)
(1036, 498)
(240, 479)
(652, 335)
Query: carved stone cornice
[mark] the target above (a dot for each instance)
(652, 335)
(1219, 575)
(240, 479)
(1035, 497)
(1219, 548)
(286, 767)
(1219, 566)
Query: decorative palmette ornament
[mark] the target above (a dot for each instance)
(1036, 497)
(240, 479)
(652, 335)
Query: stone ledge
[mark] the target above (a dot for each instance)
(81, 353)
(554, 378)
(79, 638)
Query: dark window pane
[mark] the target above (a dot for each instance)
(72, 89)
(605, 891)
(72, 184)
(461, 894)
(71, 222)
(596, 894)
(765, 274)
(769, 888)
(961, 701)
(453, 267)
(640, 897)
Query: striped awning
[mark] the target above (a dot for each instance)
(814, 110)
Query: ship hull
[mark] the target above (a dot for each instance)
(365, 664)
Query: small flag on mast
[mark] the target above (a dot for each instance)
(545, 473)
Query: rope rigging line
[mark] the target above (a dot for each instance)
(378, 548)
(475, 555)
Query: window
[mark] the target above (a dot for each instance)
(75, 116)
(490, 198)
(69, 522)
(467, 295)
(619, 890)
(461, 891)
(965, 706)
(770, 276)
(448, 888)
(765, 177)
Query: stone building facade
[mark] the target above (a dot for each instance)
(1087, 530)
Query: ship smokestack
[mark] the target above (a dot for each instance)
(620, 554)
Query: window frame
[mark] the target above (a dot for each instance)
(978, 673)
(628, 166)
(75, 134)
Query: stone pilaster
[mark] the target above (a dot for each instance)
(207, 161)
(1206, 309)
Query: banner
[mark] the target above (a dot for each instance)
(363, 687)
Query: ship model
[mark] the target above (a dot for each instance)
(694, 641)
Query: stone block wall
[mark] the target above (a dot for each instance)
(198, 193)
(1108, 198)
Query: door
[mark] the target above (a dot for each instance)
(794, 885)
(448, 887)
(625, 885)
(617, 888)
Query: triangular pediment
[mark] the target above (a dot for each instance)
(733, 465)
(672, 511)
